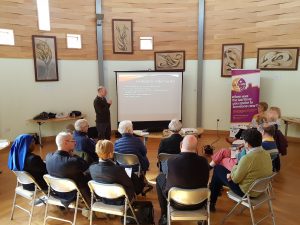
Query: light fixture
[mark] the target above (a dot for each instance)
(43, 14)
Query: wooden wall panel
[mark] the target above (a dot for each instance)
(172, 23)
(266, 23)
(67, 16)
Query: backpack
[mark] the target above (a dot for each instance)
(281, 142)
(144, 212)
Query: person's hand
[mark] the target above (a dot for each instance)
(109, 102)
(228, 176)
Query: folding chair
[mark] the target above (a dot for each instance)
(131, 160)
(25, 178)
(162, 157)
(262, 186)
(62, 185)
(128, 160)
(109, 191)
(189, 197)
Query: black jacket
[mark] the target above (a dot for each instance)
(37, 168)
(61, 164)
(187, 170)
(102, 110)
(110, 173)
(170, 145)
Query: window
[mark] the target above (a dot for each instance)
(43, 14)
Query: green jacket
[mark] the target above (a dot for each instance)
(254, 165)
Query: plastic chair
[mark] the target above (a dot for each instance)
(25, 178)
(61, 185)
(128, 160)
(189, 197)
(164, 157)
(261, 186)
(109, 191)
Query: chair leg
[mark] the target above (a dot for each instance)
(13, 207)
(251, 211)
(231, 211)
(76, 209)
(272, 211)
(46, 209)
(91, 211)
(137, 222)
(125, 213)
(32, 206)
(168, 214)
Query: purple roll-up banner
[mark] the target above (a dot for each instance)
(245, 86)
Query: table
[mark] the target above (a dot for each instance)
(160, 135)
(54, 120)
(3, 144)
(288, 120)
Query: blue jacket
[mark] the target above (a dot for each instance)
(85, 144)
(129, 144)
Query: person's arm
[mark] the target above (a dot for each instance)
(161, 147)
(240, 171)
(38, 165)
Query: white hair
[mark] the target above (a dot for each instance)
(80, 124)
(60, 138)
(175, 125)
(100, 88)
(125, 126)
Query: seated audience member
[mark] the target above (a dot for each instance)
(171, 145)
(84, 147)
(106, 171)
(63, 164)
(224, 156)
(273, 118)
(187, 170)
(129, 144)
(269, 143)
(254, 165)
(21, 158)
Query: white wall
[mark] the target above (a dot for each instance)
(22, 98)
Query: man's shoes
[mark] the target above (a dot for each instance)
(212, 207)
(163, 220)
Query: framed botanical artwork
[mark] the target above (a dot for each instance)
(232, 58)
(169, 61)
(278, 58)
(122, 35)
(45, 58)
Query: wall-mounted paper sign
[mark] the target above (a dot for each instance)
(73, 41)
(7, 37)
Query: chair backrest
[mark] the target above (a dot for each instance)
(110, 191)
(126, 159)
(60, 184)
(188, 196)
(24, 177)
(165, 156)
(261, 185)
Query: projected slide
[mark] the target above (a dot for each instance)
(149, 96)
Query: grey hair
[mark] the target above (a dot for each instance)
(60, 138)
(125, 126)
(175, 125)
(100, 88)
(80, 124)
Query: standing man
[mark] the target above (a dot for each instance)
(101, 106)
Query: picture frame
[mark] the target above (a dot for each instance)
(45, 58)
(278, 58)
(169, 60)
(122, 36)
(232, 58)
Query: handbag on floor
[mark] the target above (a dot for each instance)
(144, 212)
